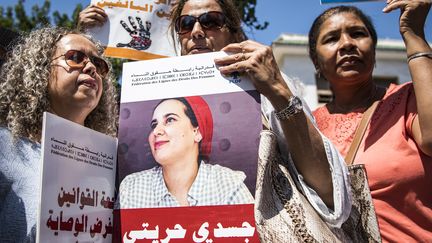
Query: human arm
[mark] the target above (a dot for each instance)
(411, 26)
(341, 187)
(301, 136)
(91, 16)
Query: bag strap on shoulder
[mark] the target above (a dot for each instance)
(359, 133)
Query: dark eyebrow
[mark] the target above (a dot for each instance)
(165, 116)
(332, 32)
(358, 27)
(169, 114)
(350, 28)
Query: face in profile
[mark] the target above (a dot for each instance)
(345, 48)
(70, 86)
(173, 137)
(200, 39)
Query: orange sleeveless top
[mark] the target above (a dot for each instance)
(399, 174)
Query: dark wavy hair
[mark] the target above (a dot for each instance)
(315, 29)
(232, 18)
(24, 86)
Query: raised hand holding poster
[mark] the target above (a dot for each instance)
(135, 29)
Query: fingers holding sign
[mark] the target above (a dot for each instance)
(257, 61)
(92, 16)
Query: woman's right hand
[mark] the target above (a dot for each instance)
(91, 16)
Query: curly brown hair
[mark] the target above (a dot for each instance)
(24, 86)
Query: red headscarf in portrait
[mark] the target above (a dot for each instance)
(205, 122)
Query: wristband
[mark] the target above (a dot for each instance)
(419, 54)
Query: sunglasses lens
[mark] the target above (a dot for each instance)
(209, 21)
(185, 24)
(75, 58)
(212, 20)
(101, 65)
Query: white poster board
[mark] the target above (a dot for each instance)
(228, 113)
(135, 29)
(178, 76)
(78, 182)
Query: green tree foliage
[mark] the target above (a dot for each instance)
(64, 20)
(16, 17)
(247, 11)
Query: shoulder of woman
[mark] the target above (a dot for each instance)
(5, 133)
(396, 88)
(141, 175)
(397, 95)
(18, 148)
(225, 174)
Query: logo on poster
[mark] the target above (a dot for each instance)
(140, 35)
(234, 78)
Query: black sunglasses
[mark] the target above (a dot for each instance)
(78, 59)
(212, 20)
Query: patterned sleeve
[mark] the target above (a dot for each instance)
(340, 181)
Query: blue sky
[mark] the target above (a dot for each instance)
(284, 16)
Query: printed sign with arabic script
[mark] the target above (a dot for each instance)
(188, 152)
(78, 176)
(135, 29)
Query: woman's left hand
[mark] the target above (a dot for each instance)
(413, 15)
(258, 62)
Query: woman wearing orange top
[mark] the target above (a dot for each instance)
(397, 145)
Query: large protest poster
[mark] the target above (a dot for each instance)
(78, 183)
(147, 142)
(136, 29)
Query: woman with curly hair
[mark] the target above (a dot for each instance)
(55, 70)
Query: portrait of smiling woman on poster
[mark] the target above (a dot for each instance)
(180, 142)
